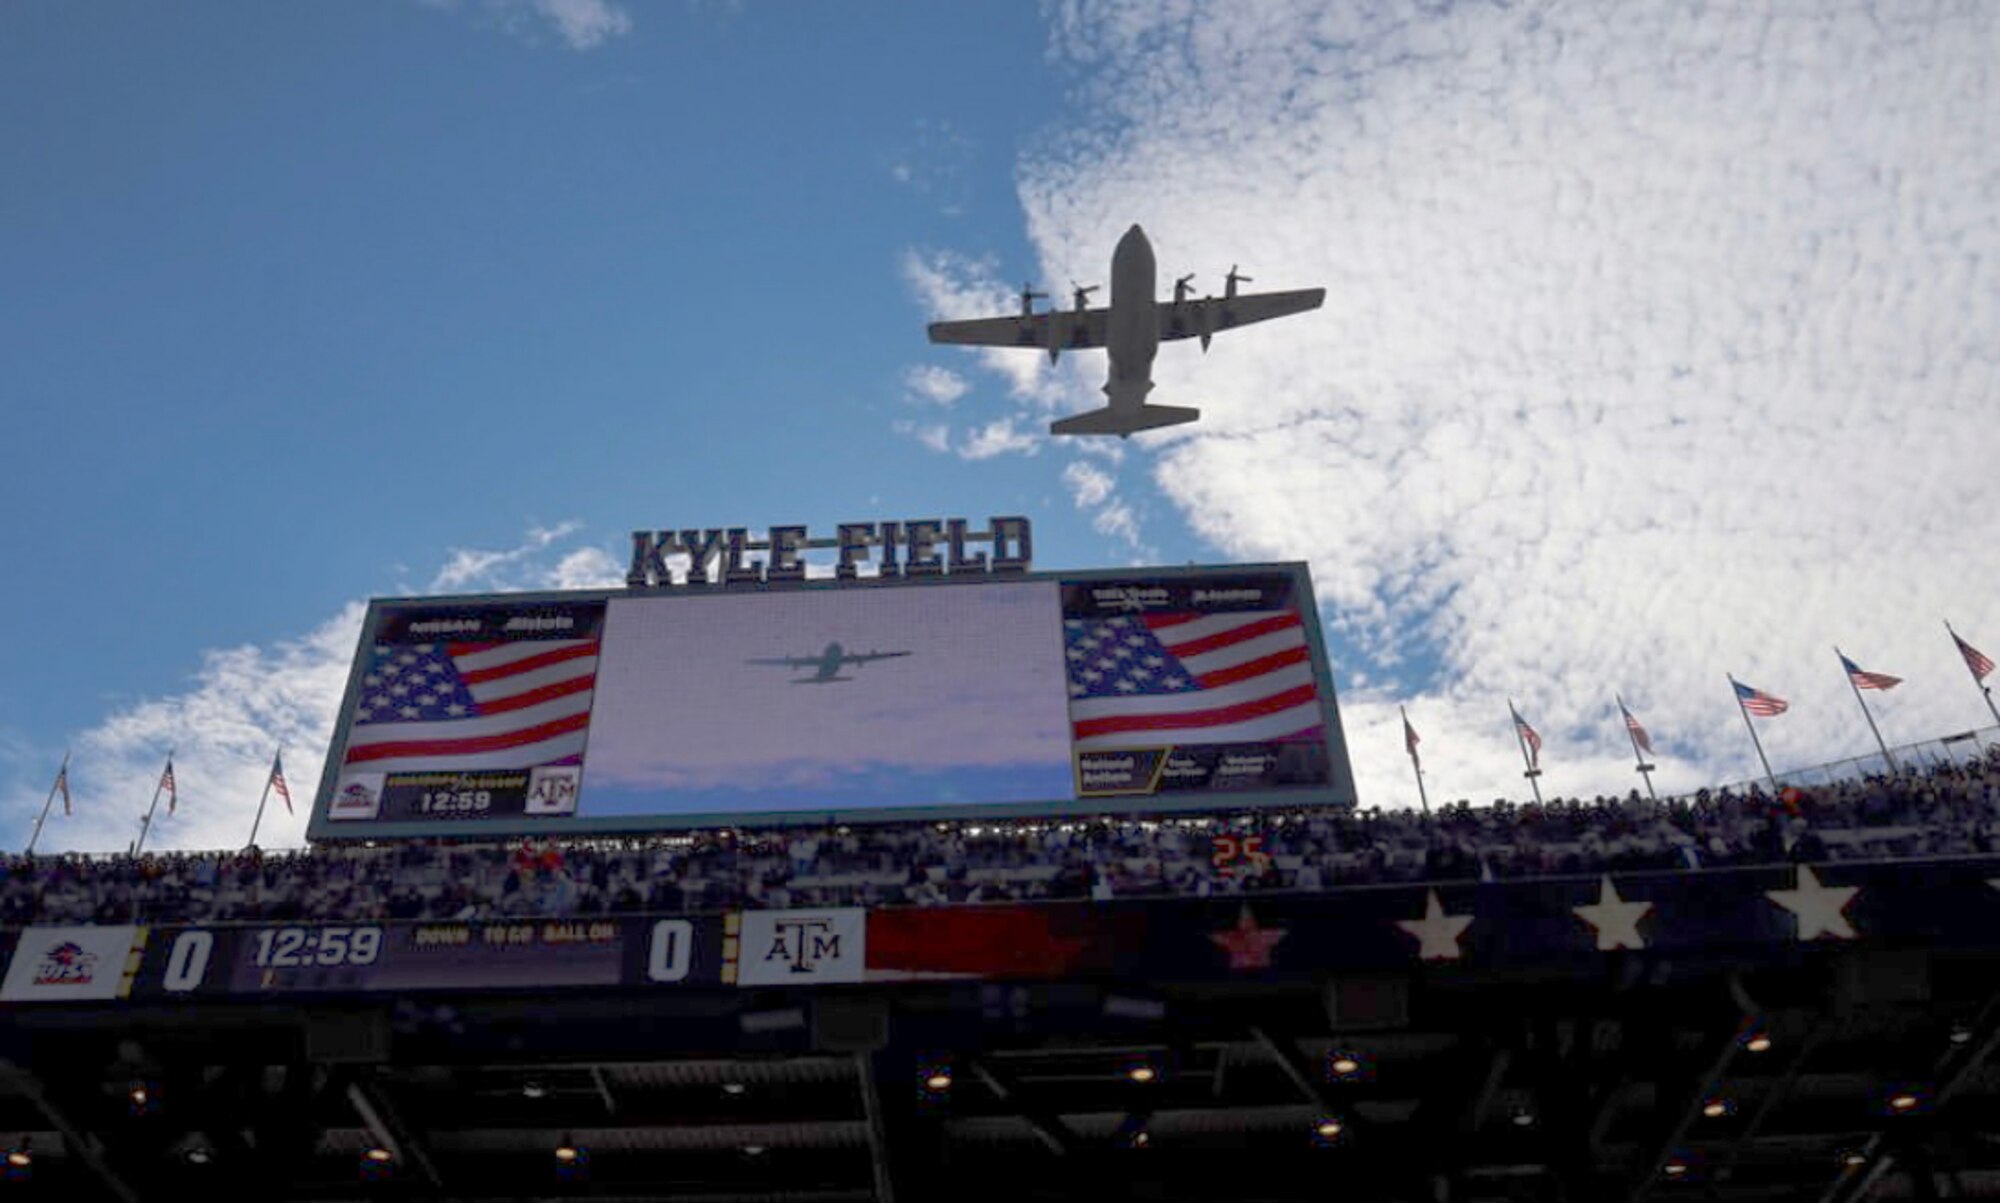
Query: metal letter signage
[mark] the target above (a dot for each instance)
(930, 547)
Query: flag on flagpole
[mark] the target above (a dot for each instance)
(1534, 741)
(1639, 735)
(1868, 680)
(1976, 660)
(62, 786)
(277, 781)
(167, 784)
(1410, 741)
(1759, 703)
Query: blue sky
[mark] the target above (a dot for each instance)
(1655, 347)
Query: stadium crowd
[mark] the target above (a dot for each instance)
(1946, 811)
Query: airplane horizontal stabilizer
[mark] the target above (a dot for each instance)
(1122, 422)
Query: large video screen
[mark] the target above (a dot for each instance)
(1085, 693)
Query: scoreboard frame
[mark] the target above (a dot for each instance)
(1337, 791)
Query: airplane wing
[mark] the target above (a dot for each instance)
(787, 661)
(1070, 330)
(865, 657)
(1211, 315)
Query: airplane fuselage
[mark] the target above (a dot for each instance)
(1132, 329)
(829, 664)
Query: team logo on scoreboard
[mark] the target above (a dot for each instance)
(780, 948)
(358, 796)
(88, 962)
(67, 964)
(552, 789)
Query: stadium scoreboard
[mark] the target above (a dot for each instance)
(892, 697)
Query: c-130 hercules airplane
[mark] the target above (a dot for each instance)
(826, 666)
(1131, 330)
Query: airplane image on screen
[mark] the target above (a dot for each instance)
(1131, 330)
(826, 666)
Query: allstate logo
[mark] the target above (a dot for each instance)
(67, 964)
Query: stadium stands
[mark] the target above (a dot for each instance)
(1949, 810)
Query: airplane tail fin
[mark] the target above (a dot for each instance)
(1122, 422)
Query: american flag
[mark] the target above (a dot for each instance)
(449, 707)
(1410, 740)
(1190, 678)
(1976, 660)
(62, 785)
(1534, 741)
(1759, 703)
(1868, 680)
(278, 781)
(1639, 735)
(167, 784)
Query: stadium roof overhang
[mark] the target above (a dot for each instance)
(1437, 1085)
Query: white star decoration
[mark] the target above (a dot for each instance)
(1437, 933)
(1818, 907)
(1616, 920)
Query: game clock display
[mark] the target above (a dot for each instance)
(301, 947)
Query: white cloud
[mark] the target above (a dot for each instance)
(1095, 492)
(479, 568)
(954, 287)
(998, 437)
(939, 386)
(581, 24)
(243, 703)
(934, 435)
(584, 23)
(587, 568)
(1116, 519)
(1657, 346)
(1089, 485)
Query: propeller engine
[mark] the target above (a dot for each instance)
(1182, 287)
(1028, 298)
(1229, 285)
(1082, 294)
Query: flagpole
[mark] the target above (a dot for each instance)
(61, 779)
(266, 797)
(146, 824)
(1984, 688)
(1522, 740)
(1645, 770)
(1422, 799)
(1752, 727)
(1867, 714)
